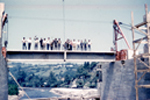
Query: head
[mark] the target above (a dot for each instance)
(24, 38)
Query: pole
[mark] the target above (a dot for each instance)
(64, 19)
(134, 53)
(148, 33)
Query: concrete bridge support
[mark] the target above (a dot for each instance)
(3, 65)
(119, 81)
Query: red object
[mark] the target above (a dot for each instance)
(117, 55)
(123, 55)
(118, 35)
(4, 52)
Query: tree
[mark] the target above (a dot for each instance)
(52, 81)
(86, 65)
(67, 79)
(13, 89)
(21, 76)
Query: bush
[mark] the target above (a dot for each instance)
(13, 89)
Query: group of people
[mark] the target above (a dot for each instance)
(55, 44)
(77, 45)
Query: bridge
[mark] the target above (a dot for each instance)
(59, 55)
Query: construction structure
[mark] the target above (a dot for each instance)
(143, 28)
(118, 35)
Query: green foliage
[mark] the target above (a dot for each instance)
(56, 75)
(21, 76)
(13, 89)
(52, 81)
(67, 79)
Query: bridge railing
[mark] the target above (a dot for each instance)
(59, 55)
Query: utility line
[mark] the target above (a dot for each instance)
(52, 19)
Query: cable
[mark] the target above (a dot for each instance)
(129, 28)
(64, 19)
(19, 85)
(69, 20)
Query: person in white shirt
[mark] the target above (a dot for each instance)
(78, 44)
(36, 44)
(24, 47)
(48, 43)
(89, 44)
(74, 44)
(29, 43)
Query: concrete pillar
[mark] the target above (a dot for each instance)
(3, 65)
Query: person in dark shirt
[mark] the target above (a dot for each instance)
(55, 43)
(41, 43)
(81, 45)
(85, 44)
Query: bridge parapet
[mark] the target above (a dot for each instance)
(59, 55)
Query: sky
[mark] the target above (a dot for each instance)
(73, 19)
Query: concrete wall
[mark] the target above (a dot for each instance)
(3, 77)
(3, 66)
(118, 82)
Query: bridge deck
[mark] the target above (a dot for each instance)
(59, 55)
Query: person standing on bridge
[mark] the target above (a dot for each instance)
(55, 43)
(74, 43)
(59, 44)
(24, 47)
(36, 43)
(29, 43)
(70, 45)
(48, 43)
(81, 45)
(44, 43)
(78, 44)
(85, 45)
(89, 44)
(52, 44)
(41, 43)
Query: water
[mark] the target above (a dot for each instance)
(34, 93)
